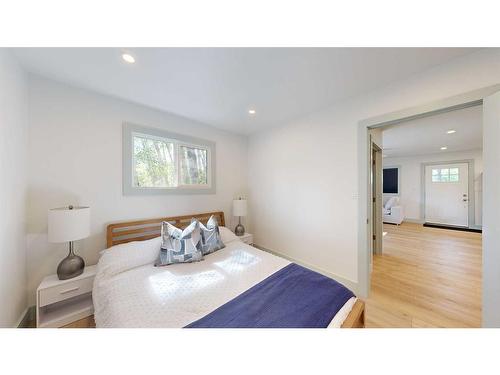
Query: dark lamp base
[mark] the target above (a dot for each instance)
(239, 230)
(70, 267)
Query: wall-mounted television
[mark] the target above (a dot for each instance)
(391, 180)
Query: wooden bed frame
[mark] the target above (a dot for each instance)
(140, 230)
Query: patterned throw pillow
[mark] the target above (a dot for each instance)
(180, 246)
(210, 236)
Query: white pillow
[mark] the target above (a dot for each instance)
(121, 258)
(227, 236)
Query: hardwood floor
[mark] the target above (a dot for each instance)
(426, 277)
(87, 322)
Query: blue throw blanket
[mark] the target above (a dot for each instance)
(293, 297)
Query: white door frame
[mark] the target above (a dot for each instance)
(377, 204)
(464, 100)
(471, 196)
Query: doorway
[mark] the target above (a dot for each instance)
(446, 194)
(489, 99)
(425, 185)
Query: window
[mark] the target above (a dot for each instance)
(160, 162)
(154, 162)
(390, 180)
(193, 165)
(445, 175)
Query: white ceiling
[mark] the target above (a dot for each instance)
(427, 135)
(217, 86)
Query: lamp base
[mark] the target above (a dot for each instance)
(239, 230)
(70, 267)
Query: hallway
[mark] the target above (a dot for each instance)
(426, 277)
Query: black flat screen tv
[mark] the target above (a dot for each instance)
(391, 180)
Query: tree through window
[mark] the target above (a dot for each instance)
(166, 163)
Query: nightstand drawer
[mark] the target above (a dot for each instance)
(64, 291)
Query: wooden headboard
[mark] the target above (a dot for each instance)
(141, 230)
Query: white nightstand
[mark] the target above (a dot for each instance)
(61, 302)
(247, 238)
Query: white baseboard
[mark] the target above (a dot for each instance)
(352, 285)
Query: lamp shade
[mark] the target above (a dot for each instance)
(240, 207)
(69, 223)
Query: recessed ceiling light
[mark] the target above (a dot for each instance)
(451, 131)
(444, 148)
(252, 111)
(128, 58)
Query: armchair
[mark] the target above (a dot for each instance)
(392, 212)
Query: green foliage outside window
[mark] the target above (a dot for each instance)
(155, 163)
(193, 166)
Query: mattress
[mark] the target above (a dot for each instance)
(130, 292)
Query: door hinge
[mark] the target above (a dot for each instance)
(374, 237)
(374, 200)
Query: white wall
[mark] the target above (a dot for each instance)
(303, 175)
(75, 156)
(13, 158)
(411, 178)
(491, 230)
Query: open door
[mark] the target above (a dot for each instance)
(377, 198)
(375, 193)
(491, 211)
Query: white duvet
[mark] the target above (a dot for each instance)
(130, 292)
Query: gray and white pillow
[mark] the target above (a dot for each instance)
(210, 236)
(180, 246)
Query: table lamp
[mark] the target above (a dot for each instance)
(68, 224)
(239, 209)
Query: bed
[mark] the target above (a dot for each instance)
(130, 292)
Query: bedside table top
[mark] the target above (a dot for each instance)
(246, 235)
(52, 280)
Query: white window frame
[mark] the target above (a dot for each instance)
(130, 130)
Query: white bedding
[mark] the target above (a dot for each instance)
(130, 292)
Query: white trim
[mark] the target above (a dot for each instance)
(465, 100)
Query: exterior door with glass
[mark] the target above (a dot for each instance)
(447, 194)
